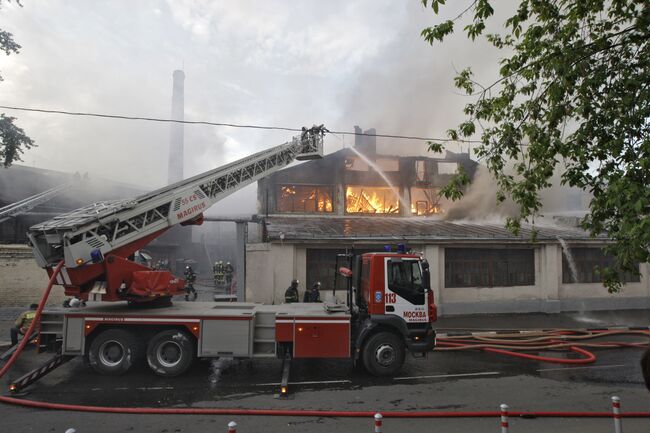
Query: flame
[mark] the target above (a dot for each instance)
(432, 209)
(371, 200)
(297, 199)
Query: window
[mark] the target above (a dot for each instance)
(405, 279)
(582, 266)
(371, 199)
(304, 198)
(321, 264)
(425, 201)
(484, 267)
(356, 164)
(447, 167)
(420, 170)
(388, 164)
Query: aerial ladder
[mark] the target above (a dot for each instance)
(96, 241)
(25, 205)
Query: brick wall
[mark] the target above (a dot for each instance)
(22, 282)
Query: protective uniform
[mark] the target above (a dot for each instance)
(228, 271)
(291, 294)
(313, 295)
(190, 278)
(21, 325)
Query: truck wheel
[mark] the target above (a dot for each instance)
(170, 353)
(114, 352)
(383, 354)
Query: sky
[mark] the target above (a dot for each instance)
(279, 63)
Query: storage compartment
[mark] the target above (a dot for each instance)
(226, 337)
(321, 338)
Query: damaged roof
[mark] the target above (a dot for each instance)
(305, 228)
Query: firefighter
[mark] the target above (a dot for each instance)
(313, 295)
(291, 295)
(190, 278)
(218, 273)
(22, 323)
(228, 271)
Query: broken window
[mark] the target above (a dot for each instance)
(420, 170)
(371, 199)
(356, 164)
(447, 167)
(487, 267)
(425, 201)
(388, 164)
(304, 198)
(584, 265)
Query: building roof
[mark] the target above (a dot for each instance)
(379, 229)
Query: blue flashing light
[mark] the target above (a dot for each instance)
(387, 248)
(401, 248)
(96, 256)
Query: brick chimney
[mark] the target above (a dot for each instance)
(366, 144)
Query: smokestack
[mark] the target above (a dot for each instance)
(175, 171)
(366, 144)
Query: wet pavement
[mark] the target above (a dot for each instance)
(445, 381)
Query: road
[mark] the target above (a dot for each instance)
(445, 381)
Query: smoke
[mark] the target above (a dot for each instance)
(479, 203)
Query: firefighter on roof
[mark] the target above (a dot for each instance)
(291, 295)
(313, 295)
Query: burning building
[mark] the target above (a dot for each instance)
(358, 182)
(359, 199)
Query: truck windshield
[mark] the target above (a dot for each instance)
(405, 279)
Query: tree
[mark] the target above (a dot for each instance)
(573, 89)
(13, 140)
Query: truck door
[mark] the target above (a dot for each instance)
(405, 289)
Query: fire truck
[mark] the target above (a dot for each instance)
(389, 307)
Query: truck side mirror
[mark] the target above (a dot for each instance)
(426, 275)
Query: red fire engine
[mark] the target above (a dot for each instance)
(389, 308)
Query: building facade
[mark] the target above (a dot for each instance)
(314, 211)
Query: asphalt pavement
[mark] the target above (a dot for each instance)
(445, 381)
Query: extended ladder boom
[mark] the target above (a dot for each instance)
(86, 235)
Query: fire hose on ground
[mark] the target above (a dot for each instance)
(499, 345)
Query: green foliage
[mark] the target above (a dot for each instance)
(574, 89)
(13, 140)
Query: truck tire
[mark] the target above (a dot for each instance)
(383, 354)
(114, 352)
(170, 353)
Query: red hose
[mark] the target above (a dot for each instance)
(285, 412)
(37, 318)
(310, 413)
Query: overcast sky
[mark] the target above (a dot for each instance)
(282, 63)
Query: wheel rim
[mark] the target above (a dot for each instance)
(169, 354)
(385, 355)
(111, 353)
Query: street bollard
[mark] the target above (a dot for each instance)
(232, 427)
(504, 418)
(378, 419)
(616, 408)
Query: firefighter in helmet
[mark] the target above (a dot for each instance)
(218, 273)
(228, 272)
(291, 294)
(313, 295)
(22, 323)
(190, 278)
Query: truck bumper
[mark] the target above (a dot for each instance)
(422, 343)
